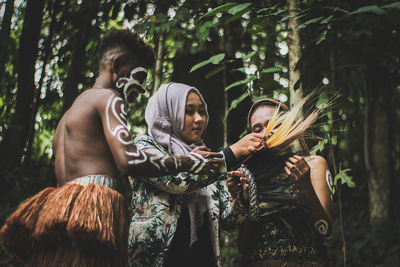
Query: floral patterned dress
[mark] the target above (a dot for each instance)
(157, 205)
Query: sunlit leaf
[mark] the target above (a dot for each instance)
(344, 178)
(214, 60)
(238, 8)
(199, 65)
(318, 147)
(249, 55)
(272, 69)
(241, 70)
(219, 9)
(237, 83)
(369, 9)
(237, 16)
(214, 71)
(217, 58)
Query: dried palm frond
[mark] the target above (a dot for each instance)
(290, 125)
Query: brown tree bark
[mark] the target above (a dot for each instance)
(16, 136)
(380, 155)
(79, 42)
(5, 36)
(294, 46)
(54, 9)
(158, 67)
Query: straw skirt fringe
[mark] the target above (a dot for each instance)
(72, 225)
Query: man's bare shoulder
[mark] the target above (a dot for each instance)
(96, 94)
(95, 98)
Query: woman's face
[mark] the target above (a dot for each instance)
(195, 118)
(260, 119)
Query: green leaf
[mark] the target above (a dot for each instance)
(237, 16)
(318, 147)
(322, 37)
(267, 8)
(199, 65)
(241, 70)
(369, 9)
(205, 26)
(272, 69)
(392, 5)
(326, 20)
(344, 178)
(214, 71)
(218, 9)
(237, 83)
(286, 18)
(334, 140)
(308, 22)
(214, 60)
(89, 46)
(217, 58)
(238, 8)
(249, 55)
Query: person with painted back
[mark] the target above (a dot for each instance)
(84, 222)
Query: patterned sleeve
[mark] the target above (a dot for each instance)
(181, 183)
(232, 211)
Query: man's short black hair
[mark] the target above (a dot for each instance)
(126, 41)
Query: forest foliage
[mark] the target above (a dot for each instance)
(234, 52)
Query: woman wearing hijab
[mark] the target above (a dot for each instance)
(176, 218)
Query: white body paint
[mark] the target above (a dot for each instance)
(329, 181)
(126, 82)
(121, 129)
(321, 226)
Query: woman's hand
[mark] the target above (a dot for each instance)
(249, 143)
(237, 184)
(206, 152)
(298, 169)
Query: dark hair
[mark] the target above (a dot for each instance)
(265, 102)
(127, 41)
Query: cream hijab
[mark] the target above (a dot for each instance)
(165, 117)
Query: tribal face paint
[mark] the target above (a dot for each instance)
(132, 85)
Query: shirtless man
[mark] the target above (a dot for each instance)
(83, 222)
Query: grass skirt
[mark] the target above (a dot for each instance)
(73, 225)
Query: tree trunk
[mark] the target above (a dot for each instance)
(78, 61)
(158, 68)
(294, 46)
(380, 173)
(5, 36)
(16, 136)
(47, 53)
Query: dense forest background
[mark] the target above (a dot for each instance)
(234, 53)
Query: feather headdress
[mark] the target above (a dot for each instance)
(290, 125)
